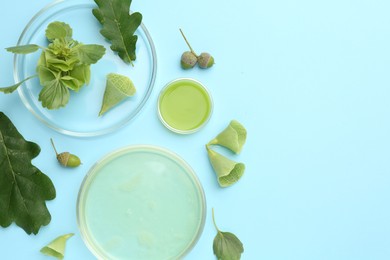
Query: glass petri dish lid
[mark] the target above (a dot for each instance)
(80, 116)
(141, 202)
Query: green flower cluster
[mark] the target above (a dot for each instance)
(63, 65)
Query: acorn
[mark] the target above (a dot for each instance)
(66, 159)
(205, 60)
(190, 58)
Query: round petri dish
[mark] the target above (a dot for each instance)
(184, 105)
(141, 202)
(80, 116)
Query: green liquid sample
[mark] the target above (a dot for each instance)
(185, 105)
(141, 204)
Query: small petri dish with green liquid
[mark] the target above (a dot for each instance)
(141, 202)
(184, 105)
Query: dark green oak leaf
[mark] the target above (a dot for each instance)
(24, 189)
(119, 26)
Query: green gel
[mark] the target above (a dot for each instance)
(141, 202)
(184, 105)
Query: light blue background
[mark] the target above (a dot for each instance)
(309, 80)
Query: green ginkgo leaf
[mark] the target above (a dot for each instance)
(24, 189)
(228, 172)
(56, 248)
(118, 88)
(233, 137)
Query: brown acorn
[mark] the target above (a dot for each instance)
(190, 58)
(66, 159)
(205, 60)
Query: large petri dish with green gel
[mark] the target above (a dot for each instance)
(141, 202)
(184, 105)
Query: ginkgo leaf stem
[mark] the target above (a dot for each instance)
(193, 52)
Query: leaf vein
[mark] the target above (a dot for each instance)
(15, 183)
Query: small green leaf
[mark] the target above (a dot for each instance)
(41, 61)
(24, 188)
(23, 49)
(58, 30)
(54, 94)
(56, 248)
(12, 88)
(90, 53)
(226, 245)
(46, 75)
(118, 87)
(82, 73)
(72, 83)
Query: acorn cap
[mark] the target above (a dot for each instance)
(63, 158)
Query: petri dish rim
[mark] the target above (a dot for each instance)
(74, 4)
(180, 131)
(106, 158)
